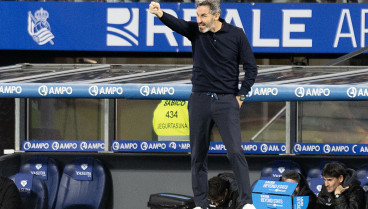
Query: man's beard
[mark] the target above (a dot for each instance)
(207, 28)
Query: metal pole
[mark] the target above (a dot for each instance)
(19, 135)
(109, 123)
(288, 128)
(291, 126)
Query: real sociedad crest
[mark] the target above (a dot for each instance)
(38, 27)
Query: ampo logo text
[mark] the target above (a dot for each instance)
(145, 90)
(299, 92)
(10, 89)
(35, 146)
(298, 148)
(42, 90)
(27, 145)
(264, 148)
(264, 92)
(327, 148)
(172, 145)
(351, 92)
(83, 146)
(159, 90)
(115, 146)
(93, 90)
(55, 90)
(55, 145)
(144, 146)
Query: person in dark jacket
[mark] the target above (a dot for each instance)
(223, 192)
(302, 189)
(9, 194)
(218, 49)
(341, 190)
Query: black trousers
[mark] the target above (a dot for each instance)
(205, 110)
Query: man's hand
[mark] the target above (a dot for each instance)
(239, 101)
(340, 190)
(154, 8)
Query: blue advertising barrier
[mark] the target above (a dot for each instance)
(145, 146)
(182, 92)
(259, 92)
(50, 145)
(180, 146)
(129, 27)
(183, 146)
(330, 149)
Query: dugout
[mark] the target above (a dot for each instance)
(101, 104)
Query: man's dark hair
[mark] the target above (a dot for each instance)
(216, 187)
(213, 4)
(333, 170)
(291, 174)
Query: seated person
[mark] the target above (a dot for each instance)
(341, 190)
(223, 192)
(302, 189)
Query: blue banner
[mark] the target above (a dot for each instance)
(180, 146)
(58, 146)
(258, 93)
(89, 26)
(150, 146)
(128, 91)
(330, 149)
(184, 146)
(145, 146)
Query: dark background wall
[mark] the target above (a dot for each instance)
(6, 124)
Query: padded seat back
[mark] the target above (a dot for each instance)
(364, 185)
(47, 169)
(32, 190)
(84, 184)
(276, 168)
(315, 184)
(362, 171)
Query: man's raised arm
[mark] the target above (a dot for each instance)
(154, 8)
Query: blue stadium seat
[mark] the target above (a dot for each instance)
(275, 169)
(315, 184)
(270, 178)
(364, 184)
(362, 171)
(85, 184)
(32, 190)
(47, 169)
(316, 172)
